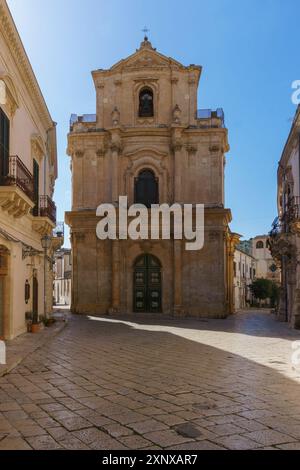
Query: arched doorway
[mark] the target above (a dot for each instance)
(3, 288)
(35, 298)
(147, 288)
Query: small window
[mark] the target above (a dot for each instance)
(259, 244)
(146, 189)
(146, 107)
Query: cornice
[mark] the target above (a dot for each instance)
(18, 53)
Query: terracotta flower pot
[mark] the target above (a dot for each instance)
(35, 328)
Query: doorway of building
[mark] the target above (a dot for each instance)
(3, 288)
(35, 299)
(147, 288)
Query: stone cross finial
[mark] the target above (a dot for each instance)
(145, 31)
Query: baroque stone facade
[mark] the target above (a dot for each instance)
(285, 234)
(28, 170)
(146, 124)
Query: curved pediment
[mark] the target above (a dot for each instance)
(146, 56)
(145, 152)
(11, 91)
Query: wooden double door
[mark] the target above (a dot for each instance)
(147, 288)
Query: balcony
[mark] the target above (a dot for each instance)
(284, 229)
(16, 189)
(45, 208)
(291, 214)
(44, 215)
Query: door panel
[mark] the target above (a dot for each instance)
(147, 285)
(35, 298)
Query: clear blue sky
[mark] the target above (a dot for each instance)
(250, 53)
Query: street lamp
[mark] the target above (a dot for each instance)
(46, 243)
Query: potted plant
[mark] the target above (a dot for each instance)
(35, 326)
(28, 319)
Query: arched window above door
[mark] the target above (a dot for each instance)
(146, 188)
(146, 105)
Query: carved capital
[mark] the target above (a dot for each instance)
(214, 148)
(79, 153)
(116, 147)
(191, 149)
(176, 145)
(78, 236)
(101, 151)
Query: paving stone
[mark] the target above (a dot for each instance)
(74, 424)
(237, 442)
(200, 445)
(166, 438)
(116, 430)
(226, 429)
(88, 435)
(290, 446)
(136, 442)
(10, 406)
(269, 437)
(14, 443)
(170, 420)
(45, 442)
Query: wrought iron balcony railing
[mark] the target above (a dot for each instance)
(18, 175)
(291, 212)
(45, 208)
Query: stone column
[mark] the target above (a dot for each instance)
(77, 180)
(116, 148)
(115, 300)
(232, 241)
(100, 105)
(115, 173)
(177, 179)
(178, 308)
(193, 97)
(100, 153)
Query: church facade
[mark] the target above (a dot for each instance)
(149, 142)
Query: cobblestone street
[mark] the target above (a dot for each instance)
(177, 384)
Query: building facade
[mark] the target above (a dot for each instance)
(62, 277)
(148, 142)
(245, 268)
(267, 267)
(285, 233)
(28, 170)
